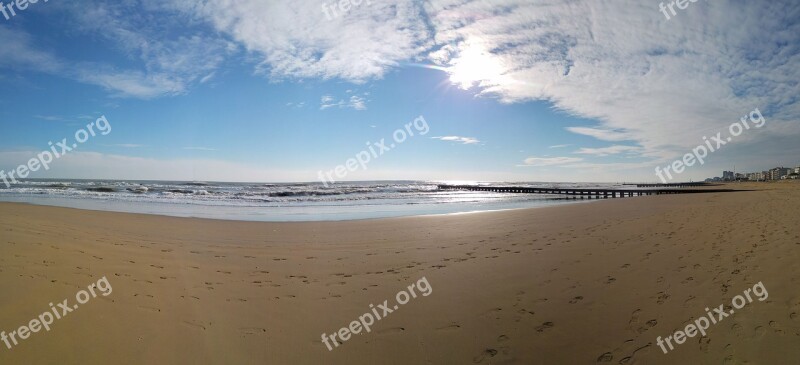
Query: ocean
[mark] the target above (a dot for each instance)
(280, 201)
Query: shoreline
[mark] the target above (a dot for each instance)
(569, 202)
(2, 203)
(295, 202)
(576, 283)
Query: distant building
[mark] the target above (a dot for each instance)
(778, 173)
(796, 174)
(727, 176)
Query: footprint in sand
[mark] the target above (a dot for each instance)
(704, 342)
(252, 330)
(662, 297)
(607, 357)
(576, 299)
(194, 325)
(524, 311)
(486, 354)
(628, 359)
(634, 319)
(776, 327)
(450, 327)
(545, 326)
(737, 329)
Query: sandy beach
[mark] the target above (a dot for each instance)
(578, 284)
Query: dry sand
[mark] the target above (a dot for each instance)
(580, 284)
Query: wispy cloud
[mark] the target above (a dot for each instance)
(125, 145)
(52, 118)
(560, 146)
(656, 84)
(169, 64)
(643, 79)
(549, 161)
(355, 102)
(611, 150)
(293, 39)
(602, 134)
(459, 139)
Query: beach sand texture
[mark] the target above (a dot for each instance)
(579, 284)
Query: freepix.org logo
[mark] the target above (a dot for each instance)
(700, 152)
(57, 150)
(10, 10)
(374, 151)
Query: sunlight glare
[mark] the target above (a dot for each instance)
(475, 65)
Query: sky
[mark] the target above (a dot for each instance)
(511, 90)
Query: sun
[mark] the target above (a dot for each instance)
(475, 65)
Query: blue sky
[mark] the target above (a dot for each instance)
(521, 90)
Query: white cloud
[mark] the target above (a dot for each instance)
(560, 146)
(606, 151)
(169, 64)
(18, 52)
(132, 83)
(549, 161)
(125, 145)
(464, 140)
(354, 102)
(602, 133)
(357, 103)
(294, 39)
(51, 118)
(661, 84)
(171, 60)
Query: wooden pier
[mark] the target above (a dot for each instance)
(583, 193)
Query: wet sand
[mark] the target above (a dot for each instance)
(578, 284)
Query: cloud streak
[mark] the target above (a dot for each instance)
(607, 151)
(549, 161)
(459, 139)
